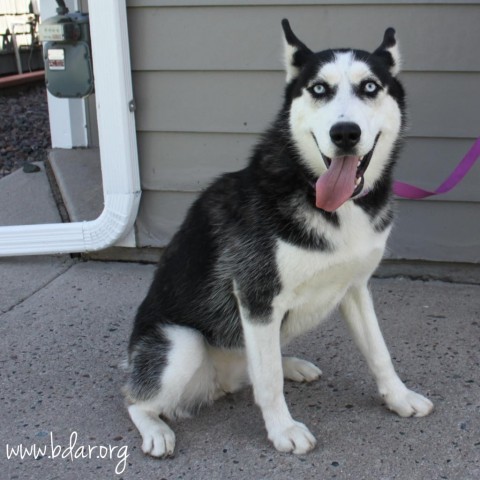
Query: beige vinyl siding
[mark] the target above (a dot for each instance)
(447, 231)
(167, 165)
(432, 37)
(245, 102)
(166, 158)
(208, 80)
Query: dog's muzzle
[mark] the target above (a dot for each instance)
(343, 180)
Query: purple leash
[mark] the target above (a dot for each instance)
(406, 190)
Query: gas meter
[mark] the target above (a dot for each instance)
(67, 54)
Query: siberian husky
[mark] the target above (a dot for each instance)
(267, 253)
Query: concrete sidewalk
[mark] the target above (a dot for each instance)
(64, 327)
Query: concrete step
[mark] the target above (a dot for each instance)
(78, 175)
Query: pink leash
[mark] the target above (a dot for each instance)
(406, 190)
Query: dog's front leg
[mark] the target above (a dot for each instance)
(262, 343)
(357, 308)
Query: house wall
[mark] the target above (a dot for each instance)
(208, 80)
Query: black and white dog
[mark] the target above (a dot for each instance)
(268, 252)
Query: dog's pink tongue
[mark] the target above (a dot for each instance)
(337, 184)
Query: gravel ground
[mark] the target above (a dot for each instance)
(24, 127)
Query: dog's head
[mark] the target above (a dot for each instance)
(345, 114)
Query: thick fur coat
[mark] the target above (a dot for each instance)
(268, 252)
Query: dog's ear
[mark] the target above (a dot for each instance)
(296, 53)
(389, 51)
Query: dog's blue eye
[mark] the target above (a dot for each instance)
(370, 87)
(319, 89)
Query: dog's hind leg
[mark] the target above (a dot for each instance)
(230, 369)
(299, 370)
(357, 308)
(180, 386)
(232, 375)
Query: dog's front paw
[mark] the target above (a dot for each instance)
(407, 403)
(158, 441)
(294, 438)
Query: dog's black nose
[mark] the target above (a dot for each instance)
(345, 135)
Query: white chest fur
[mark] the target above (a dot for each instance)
(314, 282)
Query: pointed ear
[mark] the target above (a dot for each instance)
(295, 52)
(389, 51)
